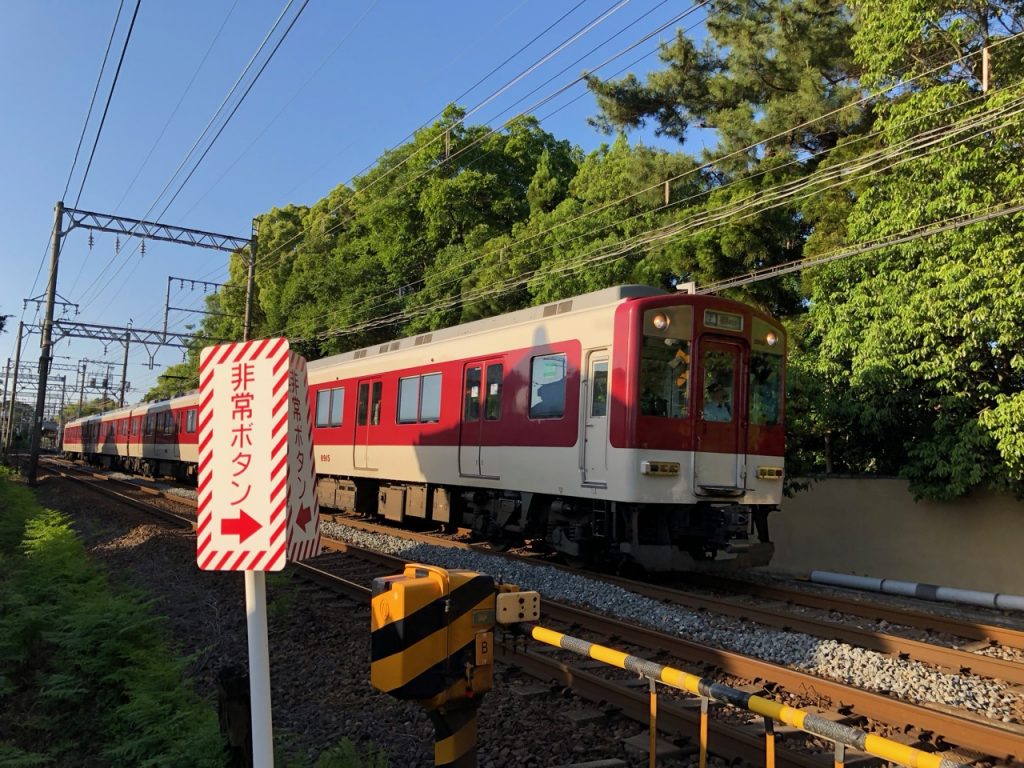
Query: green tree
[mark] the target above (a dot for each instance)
(925, 338)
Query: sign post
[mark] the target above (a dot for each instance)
(257, 503)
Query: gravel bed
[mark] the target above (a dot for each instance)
(870, 670)
(319, 645)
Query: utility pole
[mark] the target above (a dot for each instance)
(3, 414)
(14, 393)
(81, 391)
(44, 357)
(124, 365)
(60, 420)
(251, 283)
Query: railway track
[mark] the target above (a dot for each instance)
(935, 727)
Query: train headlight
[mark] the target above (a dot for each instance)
(660, 321)
(771, 338)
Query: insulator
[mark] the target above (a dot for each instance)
(142, 248)
(91, 241)
(117, 244)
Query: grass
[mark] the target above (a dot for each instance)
(87, 676)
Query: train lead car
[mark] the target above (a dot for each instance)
(625, 427)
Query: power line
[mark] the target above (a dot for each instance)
(110, 96)
(92, 101)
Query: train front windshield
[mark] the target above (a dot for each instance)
(664, 377)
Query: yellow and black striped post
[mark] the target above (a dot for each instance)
(432, 641)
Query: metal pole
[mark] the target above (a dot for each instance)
(14, 393)
(251, 282)
(167, 303)
(259, 669)
(652, 759)
(60, 434)
(47, 343)
(3, 413)
(124, 365)
(81, 392)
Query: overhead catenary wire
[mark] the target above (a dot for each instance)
(711, 163)
(110, 97)
(224, 124)
(575, 36)
(598, 255)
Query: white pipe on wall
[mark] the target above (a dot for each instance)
(923, 591)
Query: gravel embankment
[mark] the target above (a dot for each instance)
(903, 678)
(320, 654)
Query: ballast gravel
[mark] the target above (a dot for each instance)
(866, 669)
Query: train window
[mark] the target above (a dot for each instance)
(124, 426)
(765, 388)
(664, 377)
(471, 410)
(430, 397)
(408, 397)
(547, 387)
(718, 380)
(150, 419)
(492, 398)
(190, 420)
(599, 399)
(362, 404)
(329, 403)
(375, 403)
(136, 425)
(169, 423)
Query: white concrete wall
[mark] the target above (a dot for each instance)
(875, 528)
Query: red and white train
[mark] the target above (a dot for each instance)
(624, 426)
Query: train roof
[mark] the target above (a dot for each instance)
(604, 297)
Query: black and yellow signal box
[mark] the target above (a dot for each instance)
(432, 640)
(432, 634)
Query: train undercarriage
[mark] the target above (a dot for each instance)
(599, 534)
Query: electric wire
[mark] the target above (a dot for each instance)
(110, 97)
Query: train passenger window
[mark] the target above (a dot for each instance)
(408, 399)
(471, 410)
(170, 423)
(329, 404)
(492, 398)
(124, 426)
(599, 399)
(375, 403)
(765, 388)
(150, 422)
(362, 404)
(136, 425)
(430, 397)
(718, 379)
(190, 420)
(665, 377)
(547, 387)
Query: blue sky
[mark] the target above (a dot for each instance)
(350, 81)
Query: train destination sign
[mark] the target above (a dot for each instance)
(257, 504)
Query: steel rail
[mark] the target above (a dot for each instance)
(883, 642)
(1012, 638)
(984, 737)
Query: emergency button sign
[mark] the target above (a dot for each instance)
(246, 394)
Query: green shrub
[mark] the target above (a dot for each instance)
(86, 676)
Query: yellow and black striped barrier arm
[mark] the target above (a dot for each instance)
(877, 746)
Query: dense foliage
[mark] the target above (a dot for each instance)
(836, 126)
(87, 678)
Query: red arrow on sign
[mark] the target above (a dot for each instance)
(304, 516)
(243, 526)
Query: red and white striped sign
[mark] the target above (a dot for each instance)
(248, 435)
(303, 505)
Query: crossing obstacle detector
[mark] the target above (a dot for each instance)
(432, 641)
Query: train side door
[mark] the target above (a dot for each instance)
(595, 421)
(367, 420)
(721, 418)
(479, 430)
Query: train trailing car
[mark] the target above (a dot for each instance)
(149, 439)
(628, 426)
